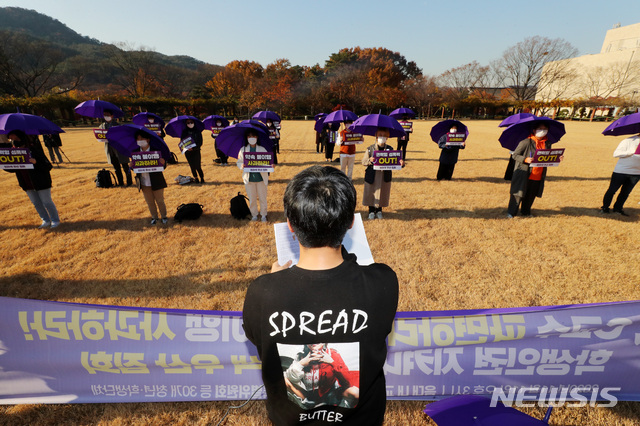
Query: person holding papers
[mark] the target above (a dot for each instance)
(625, 175)
(448, 155)
(117, 160)
(151, 184)
(193, 155)
(527, 182)
(36, 182)
(254, 183)
(347, 151)
(377, 183)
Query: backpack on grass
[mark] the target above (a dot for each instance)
(190, 211)
(103, 179)
(173, 159)
(238, 207)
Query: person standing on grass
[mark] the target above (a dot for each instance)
(347, 151)
(36, 182)
(53, 144)
(193, 155)
(403, 141)
(625, 175)
(254, 183)
(151, 184)
(332, 137)
(527, 182)
(448, 156)
(337, 302)
(377, 183)
(117, 160)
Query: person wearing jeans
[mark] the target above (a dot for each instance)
(625, 175)
(151, 184)
(254, 183)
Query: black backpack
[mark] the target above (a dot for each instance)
(103, 179)
(173, 159)
(238, 207)
(190, 211)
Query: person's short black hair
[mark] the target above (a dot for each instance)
(144, 135)
(320, 203)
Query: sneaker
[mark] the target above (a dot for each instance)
(372, 215)
(44, 224)
(153, 221)
(379, 215)
(621, 212)
(165, 220)
(509, 216)
(264, 218)
(55, 224)
(605, 210)
(254, 218)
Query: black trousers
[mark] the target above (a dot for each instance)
(118, 168)
(194, 158)
(445, 171)
(402, 145)
(619, 180)
(328, 152)
(527, 200)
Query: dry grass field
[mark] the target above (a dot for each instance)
(449, 242)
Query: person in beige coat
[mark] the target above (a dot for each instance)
(377, 183)
(254, 183)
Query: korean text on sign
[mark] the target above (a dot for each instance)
(147, 162)
(456, 139)
(15, 158)
(387, 160)
(547, 157)
(256, 162)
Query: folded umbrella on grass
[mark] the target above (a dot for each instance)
(96, 108)
(123, 139)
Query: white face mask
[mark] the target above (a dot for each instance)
(151, 120)
(452, 130)
(191, 125)
(382, 140)
(142, 143)
(107, 118)
(541, 133)
(269, 124)
(218, 123)
(252, 141)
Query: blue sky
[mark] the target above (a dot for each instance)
(437, 35)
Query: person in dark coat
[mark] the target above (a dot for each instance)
(193, 155)
(448, 156)
(118, 161)
(53, 144)
(36, 182)
(151, 184)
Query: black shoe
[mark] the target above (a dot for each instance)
(196, 180)
(620, 212)
(201, 180)
(605, 210)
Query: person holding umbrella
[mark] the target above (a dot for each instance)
(448, 155)
(347, 152)
(36, 182)
(625, 176)
(151, 184)
(117, 160)
(193, 155)
(254, 183)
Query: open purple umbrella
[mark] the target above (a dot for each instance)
(442, 128)
(370, 123)
(176, 125)
(210, 121)
(401, 112)
(123, 139)
(515, 118)
(96, 108)
(475, 410)
(143, 118)
(266, 115)
(318, 126)
(29, 124)
(514, 134)
(320, 115)
(627, 125)
(340, 116)
(231, 139)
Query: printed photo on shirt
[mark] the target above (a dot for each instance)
(319, 374)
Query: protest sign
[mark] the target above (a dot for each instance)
(456, 139)
(407, 126)
(15, 159)
(215, 131)
(352, 138)
(387, 160)
(147, 162)
(185, 144)
(100, 134)
(258, 162)
(154, 127)
(547, 157)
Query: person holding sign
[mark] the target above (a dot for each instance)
(625, 175)
(117, 160)
(377, 183)
(151, 184)
(450, 146)
(255, 183)
(192, 154)
(36, 182)
(527, 182)
(347, 149)
(404, 140)
(223, 159)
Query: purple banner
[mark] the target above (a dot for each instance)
(154, 127)
(387, 160)
(147, 162)
(15, 158)
(456, 139)
(407, 126)
(256, 162)
(351, 138)
(547, 157)
(52, 352)
(215, 131)
(100, 134)
(186, 144)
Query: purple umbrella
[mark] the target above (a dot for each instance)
(176, 125)
(29, 124)
(266, 115)
(442, 128)
(210, 121)
(231, 139)
(514, 134)
(143, 118)
(96, 108)
(123, 139)
(318, 116)
(319, 124)
(340, 116)
(475, 410)
(515, 118)
(370, 123)
(401, 112)
(627, 125)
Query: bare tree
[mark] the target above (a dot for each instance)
(137, 68)
(457, 83)
(614, 80)
(522, 67)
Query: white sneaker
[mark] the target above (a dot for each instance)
(379, 215)
(55, 224)
(44, 224)
(372, 215)
(264, 218)
(254, 219)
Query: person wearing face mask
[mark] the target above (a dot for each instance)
(254, 183)
(117, 160)
(193, 155)
(527, 182)
(222, 159)
(448, 156)
(151, 184)
(347, 152)
(274, 135)
(377, 183)
(36, 182)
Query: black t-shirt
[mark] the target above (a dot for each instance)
(321, 336)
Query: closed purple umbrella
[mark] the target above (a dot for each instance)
(143, 118)
(515, 118)
(266, 115)
(176, 125)
(401, 112)
(123, 139)
(210, 121)
(231, 139)
(514, 134)
(627, 125)
(340, 116)
(442, 128)
(370, 123)
(29, 124)
(95, 108)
